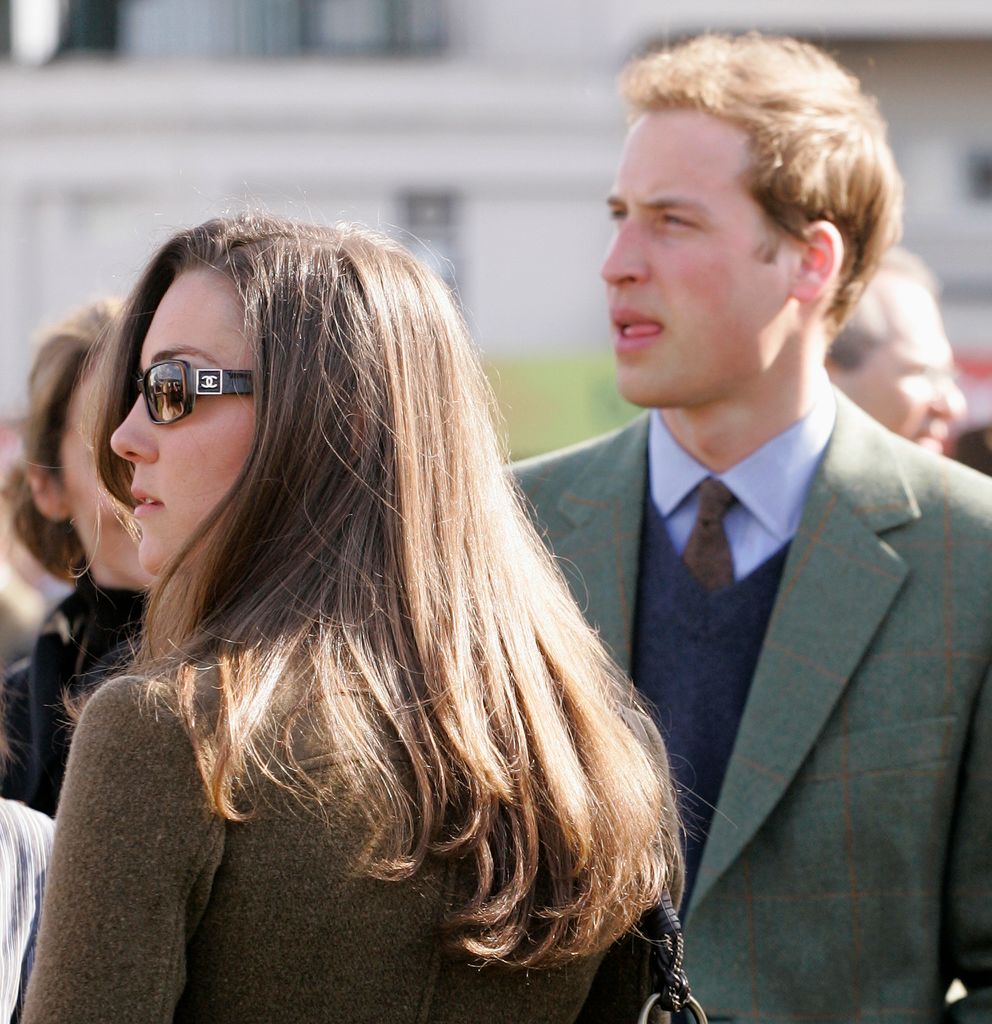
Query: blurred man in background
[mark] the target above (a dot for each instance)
(893, 357)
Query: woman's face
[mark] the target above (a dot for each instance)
(183, 469)
(73, 493)
(111, 553)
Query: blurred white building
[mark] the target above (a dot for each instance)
(487, 129)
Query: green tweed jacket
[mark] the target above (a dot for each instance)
(847, 876)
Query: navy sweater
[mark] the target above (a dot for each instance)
(694, 657)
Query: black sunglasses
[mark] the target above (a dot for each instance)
(171, 387)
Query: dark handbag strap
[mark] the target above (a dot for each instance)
(669, 980)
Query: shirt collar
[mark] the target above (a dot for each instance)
(771, 483)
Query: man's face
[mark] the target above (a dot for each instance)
(907, 382)
(698, 280)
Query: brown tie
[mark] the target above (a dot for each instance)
(707, 553)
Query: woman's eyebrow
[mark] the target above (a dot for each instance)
(181, 350)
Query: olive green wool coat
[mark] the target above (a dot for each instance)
(848, 871)
(159, 911)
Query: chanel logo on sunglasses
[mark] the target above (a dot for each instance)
(208, 382)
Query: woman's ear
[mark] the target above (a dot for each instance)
(822, 258)
(48, 493)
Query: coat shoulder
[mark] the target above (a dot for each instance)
(883, 476)
(960, 495)
(544, 478)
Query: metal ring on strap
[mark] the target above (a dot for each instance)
(690, 1004)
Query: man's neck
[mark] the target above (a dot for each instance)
(721, 434)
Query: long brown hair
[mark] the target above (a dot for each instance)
(372, 579)
(55, 375)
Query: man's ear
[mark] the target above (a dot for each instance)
(48, 493)
(822, 258)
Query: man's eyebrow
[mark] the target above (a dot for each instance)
(662, 202)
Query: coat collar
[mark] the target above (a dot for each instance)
(839, 581)
(604, 505)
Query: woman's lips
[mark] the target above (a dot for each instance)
(144, 504)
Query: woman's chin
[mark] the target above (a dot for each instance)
(150, 562)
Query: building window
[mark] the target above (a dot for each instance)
(210, 28)
(375, 27)
(980, 176)
(429, 222)
(92, 25)
(36, 31)
(4, 28)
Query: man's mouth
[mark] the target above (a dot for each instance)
(643, 329)
(632, 330)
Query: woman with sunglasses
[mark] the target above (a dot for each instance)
(370, 764)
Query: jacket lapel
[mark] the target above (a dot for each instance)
(599, 555)
(839, 581)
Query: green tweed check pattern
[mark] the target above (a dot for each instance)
(848, 873)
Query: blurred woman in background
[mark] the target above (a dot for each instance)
(59, 515)
(370, 763)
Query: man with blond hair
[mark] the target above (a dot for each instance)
(804, 598)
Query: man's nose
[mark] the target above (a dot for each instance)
(625, 261)
(949, 400)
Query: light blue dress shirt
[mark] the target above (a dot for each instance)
(770, 485)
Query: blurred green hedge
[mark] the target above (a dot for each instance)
(554, 401)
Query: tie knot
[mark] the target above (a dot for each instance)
(715, 499)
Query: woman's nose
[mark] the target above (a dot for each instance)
(134, 439)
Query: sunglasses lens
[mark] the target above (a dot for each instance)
(165, 392)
